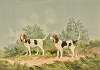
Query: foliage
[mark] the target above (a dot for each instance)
(95, 43)
(1, 52)
(75, 29)
(34, 31)
(82, 47)
(49, 47)
(13, 50)
(72, 31)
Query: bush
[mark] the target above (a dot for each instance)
(14, 50)
(95, 43)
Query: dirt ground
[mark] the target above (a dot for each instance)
(38, 61)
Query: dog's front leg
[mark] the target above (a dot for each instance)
(57, 53)
(26, 53)
(43, 52)
(73, 51)
(61, 52)
(29, 50)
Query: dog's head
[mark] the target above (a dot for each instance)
(54, 37)
(22, 38)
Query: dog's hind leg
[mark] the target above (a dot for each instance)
(37, 52)
(58, 53)
(73, 50)
(42, 50)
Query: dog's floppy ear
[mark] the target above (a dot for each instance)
(55, 36)
(75, 41)
(28, 40)
(22, 37)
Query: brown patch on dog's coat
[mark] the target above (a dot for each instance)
(24, 38)
(56, 39)
(28, 40)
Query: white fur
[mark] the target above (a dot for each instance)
(32, 45)
(60, 49)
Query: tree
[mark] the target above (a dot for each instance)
(34, 31)
(75, 30)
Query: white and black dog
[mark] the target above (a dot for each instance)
(60, 44)
(31, 43)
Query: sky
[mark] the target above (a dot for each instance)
(51, 15)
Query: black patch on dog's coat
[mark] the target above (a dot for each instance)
(75, 41)
(70, 44)
(56, 40)
(35, 42)
(63, 44)
(23, 37)
(27, 40)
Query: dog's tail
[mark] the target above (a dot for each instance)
(79, 36)
(78, 39)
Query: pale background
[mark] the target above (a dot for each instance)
(15, 14)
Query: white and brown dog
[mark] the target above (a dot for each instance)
(59, 44)
(32, 43)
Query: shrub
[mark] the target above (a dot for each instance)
(95, 43)
(13, 50)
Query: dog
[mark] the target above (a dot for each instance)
(32, 43)
(60, 45)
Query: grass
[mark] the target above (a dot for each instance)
(88, 63)
(4, 65)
